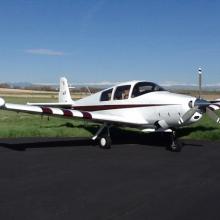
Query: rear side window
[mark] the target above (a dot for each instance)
(122, 92)
(106, 95)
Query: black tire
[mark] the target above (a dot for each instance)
(177, 147)
(105, 142)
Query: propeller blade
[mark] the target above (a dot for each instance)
(213, 115)
(188, 115)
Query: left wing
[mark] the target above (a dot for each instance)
(69, 113)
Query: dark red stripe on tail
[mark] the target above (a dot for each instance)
(46, 110)
(67, 113)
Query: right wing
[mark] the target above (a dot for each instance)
(69, 113)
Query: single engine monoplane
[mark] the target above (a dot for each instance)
(140, 104)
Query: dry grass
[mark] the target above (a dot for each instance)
(209, 95)
(37, 94)
(22, 91)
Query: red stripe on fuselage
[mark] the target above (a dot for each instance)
(110, 107)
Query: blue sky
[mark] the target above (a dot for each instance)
(109, 40)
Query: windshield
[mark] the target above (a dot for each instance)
(145, 87)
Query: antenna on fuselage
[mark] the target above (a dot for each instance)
(200, 82)
(88, 90)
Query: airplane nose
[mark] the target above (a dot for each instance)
(201, 103)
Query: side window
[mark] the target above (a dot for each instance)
(122, 92)
(106, 95)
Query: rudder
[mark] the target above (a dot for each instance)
(64, 92)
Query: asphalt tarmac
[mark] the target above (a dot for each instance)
(72, 179)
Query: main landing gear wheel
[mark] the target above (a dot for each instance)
(103, 138)
(105, 142)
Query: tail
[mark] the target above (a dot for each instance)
(64, 92)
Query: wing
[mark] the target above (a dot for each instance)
(69, 113)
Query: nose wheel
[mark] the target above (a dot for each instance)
(175, 145)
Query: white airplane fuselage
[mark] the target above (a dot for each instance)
(143, 110)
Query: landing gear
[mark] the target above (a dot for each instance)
(104, 140)
(175, 145)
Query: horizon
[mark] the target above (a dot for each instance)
(106, 84)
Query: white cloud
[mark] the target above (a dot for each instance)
(174, 83)
(43, 51)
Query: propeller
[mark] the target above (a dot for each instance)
(188, 115)
(212, 115)
(202, 106)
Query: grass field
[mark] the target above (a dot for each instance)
(14, 125)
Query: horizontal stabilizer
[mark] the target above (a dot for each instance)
(55, 104)
(64, 101)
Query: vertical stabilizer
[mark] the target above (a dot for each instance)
(64, 93)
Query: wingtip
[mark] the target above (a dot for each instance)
(2, 102)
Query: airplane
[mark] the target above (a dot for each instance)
(139, 104)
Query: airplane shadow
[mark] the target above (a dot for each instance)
(119, 137)
(21, 144)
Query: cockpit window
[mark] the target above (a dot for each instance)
(145, 87)
(106, 95)
(122, 92)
